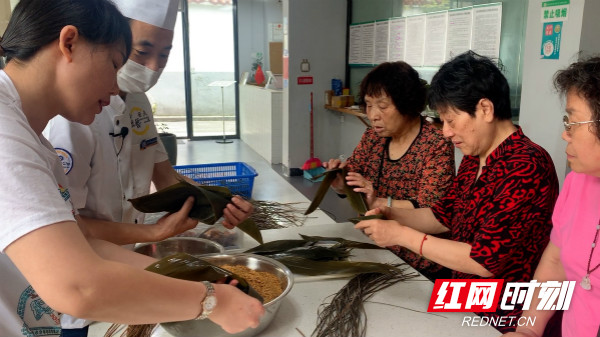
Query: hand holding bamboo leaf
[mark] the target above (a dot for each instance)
(209, 204)
(356, 199)
(186, 267)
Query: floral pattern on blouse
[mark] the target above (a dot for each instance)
(422, 174)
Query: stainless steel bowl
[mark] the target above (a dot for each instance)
(170, 246)
(254, 262)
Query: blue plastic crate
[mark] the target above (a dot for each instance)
(237, 176)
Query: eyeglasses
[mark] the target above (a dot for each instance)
(569, 125)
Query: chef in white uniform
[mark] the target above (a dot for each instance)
(118, 156)
(120, 153)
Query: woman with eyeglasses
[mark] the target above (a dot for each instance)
(571, 254)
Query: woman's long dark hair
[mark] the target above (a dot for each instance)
(37, 23)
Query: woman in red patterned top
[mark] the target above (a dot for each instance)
(498, 209)
(401, 156)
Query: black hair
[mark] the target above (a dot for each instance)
(584, 78)
(37, 23)
(463, 81)
(400, 82)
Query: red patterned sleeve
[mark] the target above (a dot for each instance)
(517, 215)
(437, 174)
(443, 209)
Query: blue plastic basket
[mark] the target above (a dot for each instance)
(237, 176)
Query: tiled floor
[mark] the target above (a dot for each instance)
(270, 184)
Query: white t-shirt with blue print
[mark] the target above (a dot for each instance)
(33, 194)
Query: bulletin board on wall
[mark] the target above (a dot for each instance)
(427, 40)
(427, 33)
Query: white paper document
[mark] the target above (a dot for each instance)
(355, 41)
(382, 33)
(397, 39)
(415, 40)
(487, 23)
(458, 36)
(435, 38)
(367, 55)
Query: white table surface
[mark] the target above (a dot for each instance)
(400, 310)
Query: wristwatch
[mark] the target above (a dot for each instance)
(209, 302)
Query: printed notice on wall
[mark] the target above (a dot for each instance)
(458, 33)
(382, 33)
(367, 52)
(275, 32)
(435, 38)
(555, 10)
(552, 33)
(397, 39)
(415, 40)
(487, 23)
(354, 44)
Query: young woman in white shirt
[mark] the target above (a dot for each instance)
(62, 56)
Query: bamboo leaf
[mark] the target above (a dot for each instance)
(187, 267)
(323, 188)
(343, 243)
(314, 253)
(276, 246)
(365, 217)
(356, 199)
(223, 191)
(249, 227)
(304, 266)
(209, 201)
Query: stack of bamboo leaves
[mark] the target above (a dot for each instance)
(345, 315)
(317, 256)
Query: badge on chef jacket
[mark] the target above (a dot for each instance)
(140, 121)
(65, 158)
(145, 143)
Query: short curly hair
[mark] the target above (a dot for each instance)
(584, 78)
(400, 82)
(463, 81)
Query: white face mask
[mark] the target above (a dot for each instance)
(135, 78)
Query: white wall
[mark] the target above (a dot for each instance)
(317, 32)
(541, 108)
(253, 19)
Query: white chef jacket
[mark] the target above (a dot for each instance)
(105, 168)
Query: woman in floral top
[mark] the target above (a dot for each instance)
(401, 159)
(498, 209)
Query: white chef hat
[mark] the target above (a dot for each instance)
(160, 13)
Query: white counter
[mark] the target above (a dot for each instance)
(400, 310)
(261, 112)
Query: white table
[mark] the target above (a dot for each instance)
(298, 311)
